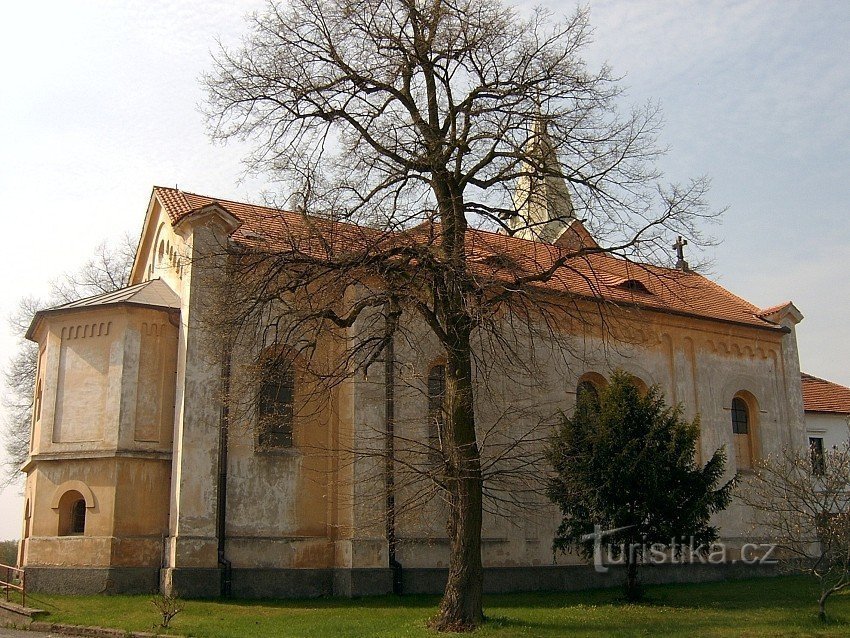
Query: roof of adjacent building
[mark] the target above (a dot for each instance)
(151, 294)
(820, 395)
(597, 276)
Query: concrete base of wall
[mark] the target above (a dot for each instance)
(313, 583)
(362, 582)
(92, 580)
(279, 583)
(498, 580)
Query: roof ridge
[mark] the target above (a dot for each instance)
(223, 200)
(812, 377)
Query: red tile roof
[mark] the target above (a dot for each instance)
(820, 395)
(595, 276)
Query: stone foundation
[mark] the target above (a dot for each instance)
(92, 580)
(314, 583)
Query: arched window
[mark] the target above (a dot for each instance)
(72, 514)
(436, 404)
(38, 400)
(741, 427)
(275, 402)
(27, 516)
(640, 384)
(588, 389)
(590, 384)
(78, 517)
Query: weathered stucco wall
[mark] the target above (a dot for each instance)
(699, 363)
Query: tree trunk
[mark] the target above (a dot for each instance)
(461, 607)
(822, 605)
(633, 591)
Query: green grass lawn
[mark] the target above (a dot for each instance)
(762, 607)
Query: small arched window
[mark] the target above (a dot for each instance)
(741, 432)
(590, 385)
(27, 519)
(436, 404)
(587, 390)
(38, 400)
(275, 402)
(78, 517)
(72, 514)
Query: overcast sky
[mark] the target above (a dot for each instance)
(99, 102)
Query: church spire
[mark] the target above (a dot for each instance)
(543, 207)
(542, 201)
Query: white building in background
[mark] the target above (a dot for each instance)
(827, 408)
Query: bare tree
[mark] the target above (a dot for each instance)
(802, 503)
(107, 270)
(399, 126)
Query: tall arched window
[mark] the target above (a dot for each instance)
(275, 402)
(72, 514)
(27, 515)
(741, 427)
(436, 404)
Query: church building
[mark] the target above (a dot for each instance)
(135, 483)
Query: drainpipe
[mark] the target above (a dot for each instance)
(221, 489)
(389, 418)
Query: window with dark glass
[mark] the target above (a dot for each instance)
(78, 518)
(741, 433)
(72, 514)
(275, 409)
(817, 455)
(634, 286)
(436, 404)
(740, 417)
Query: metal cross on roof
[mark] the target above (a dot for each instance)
(679, 247)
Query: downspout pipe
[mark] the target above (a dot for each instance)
(389, 456)
(225, 568)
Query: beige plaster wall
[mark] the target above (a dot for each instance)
(103, 429)
(699, 363)
(126, 512)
